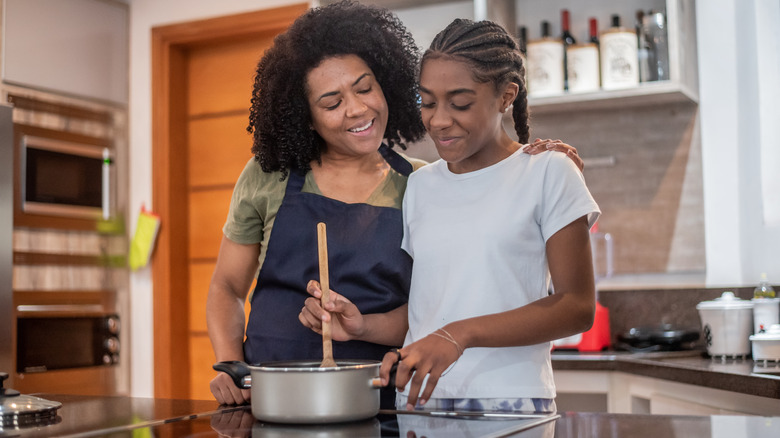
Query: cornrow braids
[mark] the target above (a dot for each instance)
(494, 57)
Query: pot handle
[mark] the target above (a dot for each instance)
(237, 370)
(376, 382)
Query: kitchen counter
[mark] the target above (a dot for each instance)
(84, 416)
(691, 367)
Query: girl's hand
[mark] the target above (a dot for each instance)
(430, 356)
(347, 321)
(539, 146)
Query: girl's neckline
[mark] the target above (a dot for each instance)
(481, 171)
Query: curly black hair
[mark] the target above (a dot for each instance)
(493, 55)
(280, 118)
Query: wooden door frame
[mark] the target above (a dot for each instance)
(170, 272)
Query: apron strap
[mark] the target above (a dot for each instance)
(395, 160)
(295, 182)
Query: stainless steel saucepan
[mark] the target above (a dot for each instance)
(303, 392)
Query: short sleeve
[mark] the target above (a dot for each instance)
(565, 196)
(249, 204)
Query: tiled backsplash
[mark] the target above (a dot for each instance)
(653, 307)
(651, 197)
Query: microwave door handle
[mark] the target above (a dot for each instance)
(106, 184)
(60, 308)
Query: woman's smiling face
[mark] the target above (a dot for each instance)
(462, 116)
(348, 107)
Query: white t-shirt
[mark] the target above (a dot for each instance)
(478, 244)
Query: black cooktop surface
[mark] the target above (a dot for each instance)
(85, 416)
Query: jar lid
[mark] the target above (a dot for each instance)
(727, 300)
(18, 410)
(773, 334)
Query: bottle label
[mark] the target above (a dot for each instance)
(619, 62)
(583, 68)
(545, 68)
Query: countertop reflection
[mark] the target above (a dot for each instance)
(84, 416)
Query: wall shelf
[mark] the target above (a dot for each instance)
(647, 94)
(681, 26)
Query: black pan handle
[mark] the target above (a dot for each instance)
(393, 371)
(237, 370)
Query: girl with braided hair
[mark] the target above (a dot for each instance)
(488, 228)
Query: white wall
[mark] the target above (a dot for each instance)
(84, 40)
(144, 15)
(739, 53)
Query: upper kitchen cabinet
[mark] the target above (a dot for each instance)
(77, 48)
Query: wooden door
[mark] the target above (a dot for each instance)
(219, 86)
(202, 82)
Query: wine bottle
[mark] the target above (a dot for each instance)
(593, 25)
(568, 40)
(522, 40)
(545, 64)
(619, 62)
(583, 63)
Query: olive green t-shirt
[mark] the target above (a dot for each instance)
(258, 195)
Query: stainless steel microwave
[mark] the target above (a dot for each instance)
(65, 176)
(65, 341)
(54, 342)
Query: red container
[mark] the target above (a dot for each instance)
(598, 338)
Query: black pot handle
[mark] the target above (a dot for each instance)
(237, 370)
(393, 371)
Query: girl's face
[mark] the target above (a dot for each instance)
(462, 116)
(348, 107)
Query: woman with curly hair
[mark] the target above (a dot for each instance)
(333, 87)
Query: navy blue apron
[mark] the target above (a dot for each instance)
(365, 261)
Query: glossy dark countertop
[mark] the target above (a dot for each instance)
(84, 416)
(693, 367)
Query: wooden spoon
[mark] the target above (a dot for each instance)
(322, 247)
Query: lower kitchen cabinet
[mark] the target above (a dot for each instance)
(622, 393)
